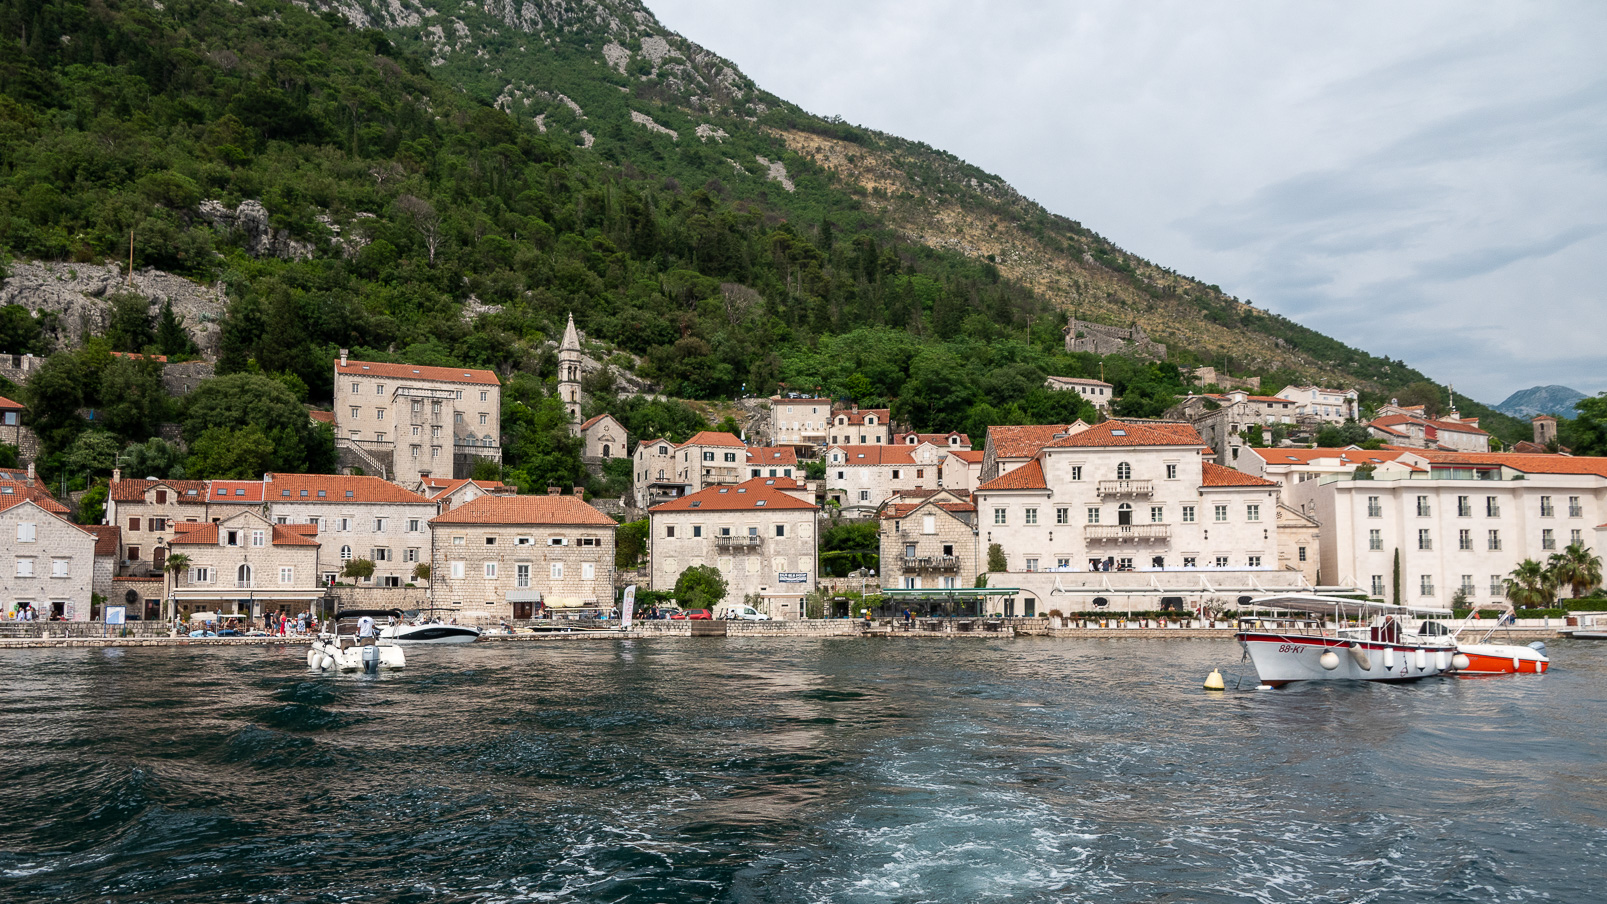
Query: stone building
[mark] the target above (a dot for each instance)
(1103, 339)
(406, 422)
(1323, 406)
(954, 440)
(1299, 543)
(799, 421)
(655, 473)
(773, 461)
(108, 553)
(502, 557)
(872, 426)
(860, 478)
(179, 378)
(1223, 419)
(569, 361)
(929, 543)
(147, 511)
(449, 494)
(354, 517)
(962, 470)
(759, 533)
(1009, 446)
(1289, 466)
(47, 564)
(247, 566)
(1098, 393)
(603, 437)
(13, 432)
(1451, 433)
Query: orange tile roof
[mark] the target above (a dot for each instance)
(750, 495)
(1307, 456)
(416, 372)
(595, 418)
(295, 535)
(322, 417)
(1027, 477)
(936, 439)
(713, 438)
(8, 405)
(1395, 420)
(968, 456)
(336, 488)
(197, 533)
(1024, 441)
(140, 357)
(772, 455)
(243, 492)
(1532, 463)
(1215, 475)
(899, 510)
(134, 490)
(856, 418)
(554, 509)
(1125, 433)
(437, 487)
(107, 538)
(40, 496)
(873, 454)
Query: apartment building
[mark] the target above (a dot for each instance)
(147, 510)
(799, 421)
(773, 461)
(1010, 446)
(1224, 419)
(355, 518)
(860, 478)
(47, 563)
(1097, 392)
(503, 557)
(759, 533)
(1451, 433)
(1328, 406)
(1289, 466)
(872, 426)
(406, 422)
(962, 470)
(245, 565)
(664, 470)
(929, 543)
(1135, 505)
(1462, 524)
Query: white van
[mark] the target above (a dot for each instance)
(739, 612)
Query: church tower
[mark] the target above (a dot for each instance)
(569, 372)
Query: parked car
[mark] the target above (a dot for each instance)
(741, 612)
(692, 615)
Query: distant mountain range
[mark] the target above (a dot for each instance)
(1526, 403)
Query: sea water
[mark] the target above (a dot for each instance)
(791, 770)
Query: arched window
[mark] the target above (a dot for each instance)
(345, 553)
(607, 451)
(1124, 513)
(1124, 471)
(243, 576)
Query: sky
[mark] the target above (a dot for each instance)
(1423, 180)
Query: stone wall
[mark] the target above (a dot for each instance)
(1102, 339)
(406, 598)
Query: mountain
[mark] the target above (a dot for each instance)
(1556, 400)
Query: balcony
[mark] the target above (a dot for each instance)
(931, 563)
(1126, 488)
(737, 542)
(1095, 533)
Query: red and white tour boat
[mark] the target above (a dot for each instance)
(1337, 639)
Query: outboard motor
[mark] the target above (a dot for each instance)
(371, 660)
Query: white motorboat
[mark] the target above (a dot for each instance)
(1486, 658)
(340, 648)
(431, 632)
(1385, 643)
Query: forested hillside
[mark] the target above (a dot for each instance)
(448, 188)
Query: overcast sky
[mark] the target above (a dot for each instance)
(1423, 180)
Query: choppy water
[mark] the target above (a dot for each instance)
(775, 770)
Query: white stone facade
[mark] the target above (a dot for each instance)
(416, 417)
(1329, 406)
(795, 422)
(760, 534)
(48, 564)
(860, 478)
(246, 564)
(930, 544)
(1098, 393)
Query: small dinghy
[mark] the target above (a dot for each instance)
(341, 648)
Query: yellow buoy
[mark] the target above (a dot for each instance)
(1213, 681)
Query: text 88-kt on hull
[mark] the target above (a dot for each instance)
(1388, 643)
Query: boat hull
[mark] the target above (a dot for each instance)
(431, 634)
(1502, 659)
(1282, 658)
(350, 659)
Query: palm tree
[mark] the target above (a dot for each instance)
(1577, 568)
(1530, 584)
(176, 564)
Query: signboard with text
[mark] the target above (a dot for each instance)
(793, 577)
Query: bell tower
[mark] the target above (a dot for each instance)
(569, 371)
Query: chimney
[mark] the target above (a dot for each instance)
(342, 357)
(30, 474)
(117, 473)
(555, 491)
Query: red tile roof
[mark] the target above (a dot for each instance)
(416, 372)
(1528, 463)
(1307, 456)
(1027, 477)
(594, 419)
(566, 510)
(19, 490)
(8, 405)
(436, 487)
(1215, 475)
(1125, 433)
(336, 488)
(780, 456)
(936, 439)
(244, 492)
(198, 533)
(140, 357)
(872, 454)
(1396, 420)
(322, 417)
(1024, 441)
(900, 510)
(134, 490)
(750, 495)
(712, 438)
(107, 538)
(967, 456)
(856, 418)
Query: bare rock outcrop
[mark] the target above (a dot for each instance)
(78, 295)
(250, 220)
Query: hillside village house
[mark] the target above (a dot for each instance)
(929, 543)
(962, 470)
(1463, 523)
(47, 564)
(1009, 447)
(603, 437)
(665, 470)
(760, 534)
(516, 556)
(1130, 514)
(1451, 433)
(1328, 406)
(146, 510)
(873, 426)
(799, 421)
(948, 440)
(860, 478)
(772, 461)
(1289, 466)
(246, 565)
(449, 494)
(1223, 419)
(406, 422)
(1098, 393)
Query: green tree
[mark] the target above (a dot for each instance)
(245, 402)
(129, 328)
(700, 587)
(421, 571)
(849, 546)
(92, 505)
(1586, 434)
(171, 338)
(1395, 580)
(361, 569)
(93, 452)
(9, 456)
(155, 457)
(1530, 584)
(134, 402)
(223, 453)
(1576, 568)
(54, 394)
(20, 332)
(630, 544)
(996, 558)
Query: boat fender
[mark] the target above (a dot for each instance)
(312, 659)
(1213, 681)
(1422, 659)
(1360, 655)
(1517, 664)
(1389, 659)
(1460, 661)
(1442, 660)
(1329, 660)
(1538, 646)
(326, 663)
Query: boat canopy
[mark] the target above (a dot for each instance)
(1318, 605)
(371, 613)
